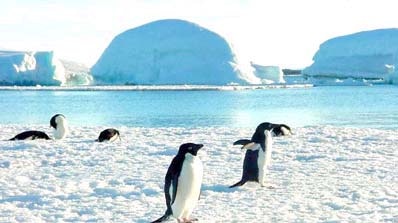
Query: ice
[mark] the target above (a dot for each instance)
(320, 174)
(29, 68)
(364, 55)
(170, 52)
(269, 74)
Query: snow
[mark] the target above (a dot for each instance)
(364, 55)
(268, 74)
(170, 52)
(320, 174)
(29, 68)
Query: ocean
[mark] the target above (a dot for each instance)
(347, 106)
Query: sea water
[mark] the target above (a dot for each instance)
(353, 106)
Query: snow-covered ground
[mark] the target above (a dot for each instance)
(321, 174)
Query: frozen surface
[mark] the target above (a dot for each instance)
(170, 52)
(320, 174)
(368, 54)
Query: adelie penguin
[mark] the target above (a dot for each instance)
(60, 125)
(108, 135)
(31, 135)
(258, 152)
(182, 184)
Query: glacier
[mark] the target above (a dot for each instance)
(27, 68)
(368, 55)
(170, 51)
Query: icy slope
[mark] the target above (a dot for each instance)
(321, 174)
(169, 52)
(369, 54)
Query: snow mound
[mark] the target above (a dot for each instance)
(364, 55)
(169, 52)
(27, 68)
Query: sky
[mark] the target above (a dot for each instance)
(286, 33)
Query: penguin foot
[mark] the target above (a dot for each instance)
(186, 220)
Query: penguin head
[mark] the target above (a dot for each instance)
(282, 130)
(259, 135)
(56, 119)
(191, 148)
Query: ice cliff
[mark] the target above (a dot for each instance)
(170, 52)
(364, 55)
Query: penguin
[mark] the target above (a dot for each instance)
(31, 135)
(258, 155)
(281, 130)
(182, 183)
(60, 125)
(108, 135)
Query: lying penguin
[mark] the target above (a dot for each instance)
(31, 135)
(182, 184)
(257, 157)
(108, 135)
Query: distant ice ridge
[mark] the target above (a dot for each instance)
(38, 68)
(364, 55)
(170, 52)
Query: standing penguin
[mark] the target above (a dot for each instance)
(182, 183)
(258, 155)
(60, 125)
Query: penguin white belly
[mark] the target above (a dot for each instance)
(262, 167)
(62, 128)
(188, 188)
(264, 159)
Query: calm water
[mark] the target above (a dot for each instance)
(375, 106)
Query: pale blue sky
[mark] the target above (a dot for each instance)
(269, 32)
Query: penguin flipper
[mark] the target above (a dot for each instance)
(240, 183)
(242, 142)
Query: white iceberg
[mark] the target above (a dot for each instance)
(268, 74)
(364, 55)
(40, 68)
(170, 52)
(30, 68)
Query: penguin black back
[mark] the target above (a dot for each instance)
(31, 135)
(108, 135)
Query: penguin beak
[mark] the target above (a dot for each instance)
(198, 146)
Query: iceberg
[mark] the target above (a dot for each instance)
(170, 52)
(29, 68)
(268, 74)
(368, 55)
